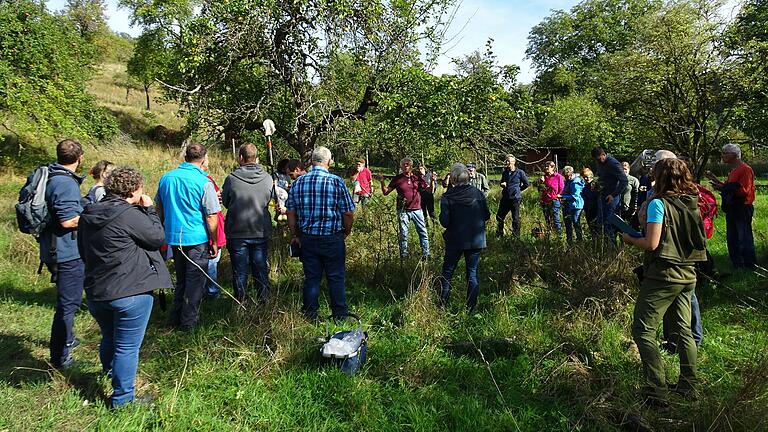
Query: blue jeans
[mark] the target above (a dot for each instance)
(211, 289)
(472, 262)
(70, 276)
(604, 212)
(122, 323)
(573, 223)
(324, 254)
(417, 216)
(738, 233)
(696, 328)
(552, 214)
(245, 254)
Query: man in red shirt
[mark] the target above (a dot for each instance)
(362, 179)
(738, 194)
(407, 185)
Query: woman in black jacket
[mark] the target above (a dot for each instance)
(463, 213)
(119, 239)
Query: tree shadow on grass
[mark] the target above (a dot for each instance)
(21, 156)
(17, 364)
(45, 297)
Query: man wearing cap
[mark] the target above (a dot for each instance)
(478, 180)
(738, 193)
(407, 184)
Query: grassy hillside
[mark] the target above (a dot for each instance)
(548, 348)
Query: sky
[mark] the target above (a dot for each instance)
(508, 22)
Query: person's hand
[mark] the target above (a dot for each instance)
(214, 251)
(503, 184)
(145, 201)
(296, 242)
(541, 179)
(346, 234)
(609, 199)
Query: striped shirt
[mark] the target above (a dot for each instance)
(319, 200)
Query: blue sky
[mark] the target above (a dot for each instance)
(506, 21)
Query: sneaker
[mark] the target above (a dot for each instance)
(74, 344)
(66, 364)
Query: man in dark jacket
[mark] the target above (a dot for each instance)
(513, 183)
(119, 239)
(246, 194)
(463, 213)
(58, 248)
(612, 181)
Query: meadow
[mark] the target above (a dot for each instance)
(548, 348)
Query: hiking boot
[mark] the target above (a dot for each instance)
(66, 364)
(685, 391)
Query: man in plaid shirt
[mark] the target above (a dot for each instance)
(320, 215)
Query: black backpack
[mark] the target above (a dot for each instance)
(32, 211)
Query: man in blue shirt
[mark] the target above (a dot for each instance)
(58, 248)
(513, 183)
(320, 215)
(613, 181)
(187, 204)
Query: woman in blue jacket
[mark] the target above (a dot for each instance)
(574, 203)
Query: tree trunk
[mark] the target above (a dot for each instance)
(146, 93)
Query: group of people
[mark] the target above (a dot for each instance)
(109, 243)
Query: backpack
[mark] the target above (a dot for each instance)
(32, 210)
(708, 209)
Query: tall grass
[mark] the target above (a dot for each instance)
(548, 347)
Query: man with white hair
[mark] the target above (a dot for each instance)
(463, 213)
(513, 183)
(320, 214)
(738, 193)
(407, 184)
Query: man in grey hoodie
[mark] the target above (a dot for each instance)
(246, 194)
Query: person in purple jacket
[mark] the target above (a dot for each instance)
(552, 186)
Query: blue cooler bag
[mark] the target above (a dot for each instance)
(345, 349)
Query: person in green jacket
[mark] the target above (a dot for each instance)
(674, 241)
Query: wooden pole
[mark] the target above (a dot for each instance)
(234, 155)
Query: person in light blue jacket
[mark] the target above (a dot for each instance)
(573, 203)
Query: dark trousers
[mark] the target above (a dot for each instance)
(697, 329)
(472, 262)
(190, 283)
(605, 210)
(506, 206)
(122, 323)
(428, 205)
(738, 233)
(245, 254)
(70, 276)
(324, 254)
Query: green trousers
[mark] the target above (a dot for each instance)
(656, 297)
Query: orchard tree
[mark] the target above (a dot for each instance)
(150, 59)
(747, 45)
(671, 80)
(566, 48)
(235, 63)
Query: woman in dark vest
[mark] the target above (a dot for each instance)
(674, 242)
(119, 239)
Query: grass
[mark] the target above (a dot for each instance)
(549, 347)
